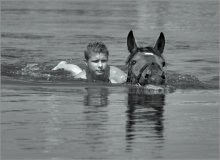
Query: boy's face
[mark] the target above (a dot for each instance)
(97, 64)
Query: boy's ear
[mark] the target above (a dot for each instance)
(85, 62)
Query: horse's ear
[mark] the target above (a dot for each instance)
(131, 44)
(160, 44)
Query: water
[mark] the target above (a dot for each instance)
(47, 115)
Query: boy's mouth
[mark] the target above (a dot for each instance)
(100, 71)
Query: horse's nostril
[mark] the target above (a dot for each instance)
(163, 77)
(147, 76)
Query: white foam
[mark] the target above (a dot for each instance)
(148, 53)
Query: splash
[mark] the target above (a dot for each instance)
(43, 72)
(34, 71)
(186, 81)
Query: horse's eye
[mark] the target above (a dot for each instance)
(163, 64)
(133, 62)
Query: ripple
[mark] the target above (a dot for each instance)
(24, 36)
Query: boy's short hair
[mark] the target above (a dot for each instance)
(96, 47)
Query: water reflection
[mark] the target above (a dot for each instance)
(96, 118)
(144, 117)
(50, 125)
(96, 97)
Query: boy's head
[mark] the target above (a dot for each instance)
(95, 47)
(96, 58)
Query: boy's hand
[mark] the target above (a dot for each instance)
(60, 65)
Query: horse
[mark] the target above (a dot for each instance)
(145, 64)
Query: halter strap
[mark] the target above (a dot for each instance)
(141, 71)
(137, 78)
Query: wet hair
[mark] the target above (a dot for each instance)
(95, 47)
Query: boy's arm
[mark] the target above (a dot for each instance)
(117, 75)
(74, 69)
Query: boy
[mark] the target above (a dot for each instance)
(97, 68)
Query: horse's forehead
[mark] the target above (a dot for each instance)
(146, 56)
(150, 50)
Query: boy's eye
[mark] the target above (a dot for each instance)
(95, 61)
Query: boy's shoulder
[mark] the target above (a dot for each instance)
(117, 75)
(81, 75)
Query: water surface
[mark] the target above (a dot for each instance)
(46, 116)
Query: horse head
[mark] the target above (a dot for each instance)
(145, 64)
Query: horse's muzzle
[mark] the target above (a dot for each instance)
(155, 80)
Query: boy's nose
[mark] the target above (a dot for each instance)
(100, 64)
